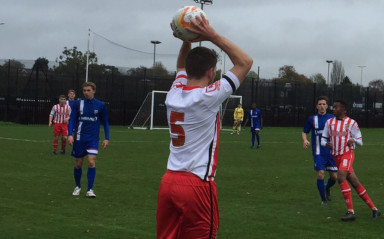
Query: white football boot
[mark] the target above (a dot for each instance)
(90, 194)
(76, 191)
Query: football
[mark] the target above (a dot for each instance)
(182, 19)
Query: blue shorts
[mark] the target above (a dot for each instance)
(254, 129)
(82, 148)
(324, 162)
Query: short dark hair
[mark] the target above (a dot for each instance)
(62, 96)
(199, 60)
(322, 98)
(341, 102)
(91, 84)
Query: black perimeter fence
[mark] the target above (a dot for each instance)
(27, 96)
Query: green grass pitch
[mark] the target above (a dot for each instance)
(263, 193)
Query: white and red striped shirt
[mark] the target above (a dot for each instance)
(59, 113)
(339, 132)
(194, 124)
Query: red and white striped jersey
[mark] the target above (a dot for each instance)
(339, 132)
(194, 124)
(59, 113)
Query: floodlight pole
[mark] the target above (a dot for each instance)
(86, 70)
(361, 76)
(202, 2)
(154, 51)
(329, 62)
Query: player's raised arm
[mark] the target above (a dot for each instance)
(242, 61)
(185, 48)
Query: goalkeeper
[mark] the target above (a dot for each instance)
(238, 115)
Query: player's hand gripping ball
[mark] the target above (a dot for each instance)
(182, 19)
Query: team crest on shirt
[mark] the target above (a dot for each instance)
(346, 127)
(214, 86)
(95, 112)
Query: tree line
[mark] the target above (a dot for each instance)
(73, 62)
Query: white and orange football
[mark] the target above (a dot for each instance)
(182, 19)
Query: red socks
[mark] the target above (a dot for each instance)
(364, 195)
(63, 144)
(55, 143)
(346, 191)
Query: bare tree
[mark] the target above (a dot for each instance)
(338, 73)
(377, 84)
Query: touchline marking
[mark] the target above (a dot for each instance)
(168, 141)
(25, 140)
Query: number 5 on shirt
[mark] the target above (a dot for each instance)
(177, 129)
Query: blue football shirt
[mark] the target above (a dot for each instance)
(86, 117)
(316, 123)
(255, 115)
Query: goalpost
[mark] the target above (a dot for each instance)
(152, 113)
(226, 111)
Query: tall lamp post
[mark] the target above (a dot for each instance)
(202, 2)
(86, 69)
(361, 76)
(154, 51)
(329, 62)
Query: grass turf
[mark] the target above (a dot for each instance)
(263, 193)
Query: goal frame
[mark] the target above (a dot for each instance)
(225, 103)
(150, 118)
(152, 107)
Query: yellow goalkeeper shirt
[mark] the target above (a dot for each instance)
(238, 114)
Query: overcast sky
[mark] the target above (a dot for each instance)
(302, 33)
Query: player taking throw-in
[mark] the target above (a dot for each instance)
(187, 200)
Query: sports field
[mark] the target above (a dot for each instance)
(263, 193)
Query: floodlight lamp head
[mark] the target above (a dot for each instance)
(155, 42)
(329, 61)
(206, 2)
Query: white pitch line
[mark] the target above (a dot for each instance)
(25, 140)
(167, 141)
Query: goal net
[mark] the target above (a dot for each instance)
(153, 112)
